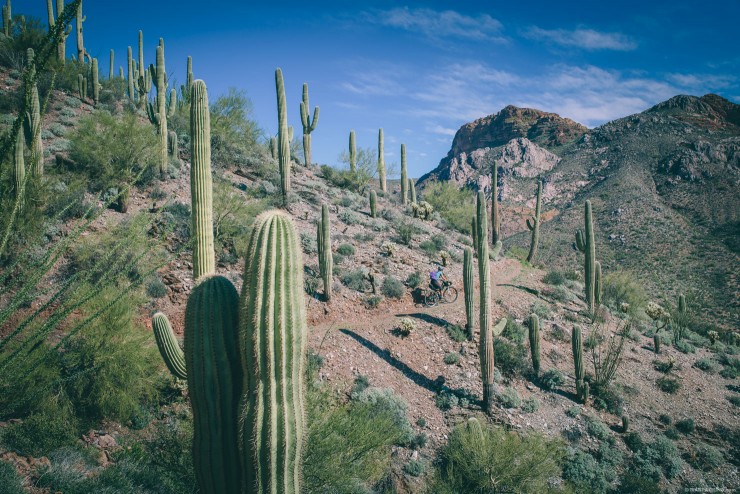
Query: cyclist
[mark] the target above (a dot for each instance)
(436, 278)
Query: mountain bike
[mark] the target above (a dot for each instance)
(447, 294)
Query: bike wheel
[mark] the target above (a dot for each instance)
(431, 299)
(450, 294)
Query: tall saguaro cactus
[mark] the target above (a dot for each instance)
(62, 43)
(201, 188)
(586, 244)
(283, 138)
(19, 164)
(131, 76)
(373, 204)
(484, 278)
(534, 342)
(468, 290)
(111, 69)
(159, 115)
(495, 214)
(597, 284)
(185, 89)
(326, 263)
(534, 225)
(95, 75)
(7, 19)
(404, 176)
(143, 77)
(81, 52)
(381, 162)
(309, 125)
(33, 133)
(273, 357)
(412, 191)
(215, 383)
(577, 344)
(352, 151)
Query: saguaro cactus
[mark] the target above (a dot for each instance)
(283, 138)
(185, 88)
(143, 76)
(309, 125)
(95, 81)
(173, 146)
(381, 162)
(587, 245)
(131, 76)
(81, 52)
(373, 204)
(352, 151)
(404, 176)
(159, 115)
(7, 19)
(412, 191)
(62, 43)
(597, 283)
(169, 348)
(474, 233)
(326, 265)
(534, 342)
(274, 358)
(82, 86)
(484, 277)
(577, 345)
(110, 71)
(495, 216)
(468, 290)
(534, 225)
(201, 188)
(19, 164)
(215, 383)
(33, 133)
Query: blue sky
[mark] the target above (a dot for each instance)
(421, 70)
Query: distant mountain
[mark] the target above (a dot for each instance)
(664, 184)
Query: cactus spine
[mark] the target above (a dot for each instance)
(324, 247)
(273, 357)
(468, 290)
(309, 125)
(283, 138)
(159, 115)
(587, 245)
(7, 19)
(404, 176)
(19, 164)
(495, 216)
(577, 345)
(170, 350)
(201, 188)
(412, 191)
(534, 342)
(95, 81)
(534, 225)
(215, 383)
(381, 162)
(33, 133)
(484, 276)
(352, 151)
(373, 204)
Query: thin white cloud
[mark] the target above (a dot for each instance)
(586, 39)
(438, 129)
(701, 80)
(435, 24)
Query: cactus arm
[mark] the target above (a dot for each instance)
(597, 283)
(412, 191)
(579, 241)
(499, 327)
(531, 222)
(170, 350)
(496, 250)
(577, 346)
(315, 120)
(172, 104)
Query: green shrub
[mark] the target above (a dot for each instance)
(530, 405)
(348, 217)
(346, 250)
(413, 280)
(419, 440)
(509, 398)
(665, 419)
(405, 232)
(452, 358)
(587, 473)
(156, 289)
(234, 133)
(597, 428)
(623, 290)
(542, 310)
(551, 379)
(415, 468)
(514, 331)
(446, 400)
(373, 301)
(454, 204)
(706, 457)
(632, 484)
(498, 461)
(573, 412)
(10, 480)
(456, 332)
(684, 346)
(705, 364)
(54, 425)
(384, 401)
(686, 426)
(668, 385)
(356, 280)
(392, 287)
(511, 359)
(734, 399)
(554, 278)
(308, 243)
(656, 458)
(428, 247)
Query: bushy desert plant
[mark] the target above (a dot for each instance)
(392, 287)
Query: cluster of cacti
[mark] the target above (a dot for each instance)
(388, 248)
(352, 151)
(582, 390)
(201, 188)
(495, 215)
(326, 264)
(373, 204)
(412, 191)
(283, 137)
(484, 277)
(468, 290)
(422, 209)
(406, 326)
(309, 125)
(404, 176)
(534, 225)
(534, 342)
(381, 162)
(62, 43)
(94, 73)
(7, 19)
(586, 243)
(158, 115)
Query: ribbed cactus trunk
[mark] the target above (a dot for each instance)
(577, 344)
(273, 336)
(215, 383)
(19, 164)
(283, 138)
(158, 116)
(201, 189)
(534, 225)
(587, 245)
(373, 204)
(404, 176)
(143, 77)
(82, 86)
(309, 125)
(352, 151)
(468, 291)
(7, 19)
(495, 215)
(534, 342)
(173, 146)
(131, 77)
(62, 42)
(597, 284)
(95, 71)
(381, 162)
(33, 119)
(412, 191)
(169, 348)
(112, 68)
(484, 277)
(81, 53)
(326, 262)
(474, 234)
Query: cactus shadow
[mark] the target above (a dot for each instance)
(437, 321)
(420, 379)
